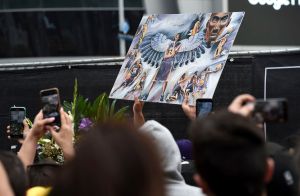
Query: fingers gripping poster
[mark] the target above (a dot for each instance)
(177, 55)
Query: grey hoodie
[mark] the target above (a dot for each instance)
(171, 160)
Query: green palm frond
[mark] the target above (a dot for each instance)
(119, 115)
(112, 108)
(103, 109)
(75, 95)
(67, 106)
(94, 108)
(99, 110)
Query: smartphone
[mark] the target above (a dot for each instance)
(17, 115)
(271, 110)
(203, 107)
(51, 105)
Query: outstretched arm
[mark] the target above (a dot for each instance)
(28, 149)
(177, 48)
(183, 80)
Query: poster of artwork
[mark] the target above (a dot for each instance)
(177, 55)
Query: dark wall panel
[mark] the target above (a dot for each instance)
(22, 88)
(245, 74)
(280, 83)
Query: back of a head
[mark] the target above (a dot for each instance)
(112, 160)
(285, 180)
(15, 172)
(168, 150)
(230, 154)
(42, 174)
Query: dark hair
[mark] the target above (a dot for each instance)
(285, 180)
(43, 173)
(230, 154)
(113, 159)
(15, 172)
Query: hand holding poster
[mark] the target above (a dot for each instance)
(177, 55)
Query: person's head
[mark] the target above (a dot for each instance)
(230, 155)
(15, 172)
(113, 160)
(185, 148)
(219, 67)
(138, 62)
(194, 79)
(168, 150)
(216, 25)
(151, 17)
(285, 179)
(144, 76)
(177, 37)
(201, 82)
(42, 174)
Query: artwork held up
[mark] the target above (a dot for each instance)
(177, 55)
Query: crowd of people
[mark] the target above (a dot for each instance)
(229, 154)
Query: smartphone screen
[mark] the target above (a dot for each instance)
(51, 104)
(203, 107)
(270, 110)
(17, 115)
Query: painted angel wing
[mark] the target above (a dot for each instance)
(190, 49)
(153, 48)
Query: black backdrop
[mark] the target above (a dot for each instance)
(245, 74)
(280, 83)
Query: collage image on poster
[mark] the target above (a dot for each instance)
(177, 55)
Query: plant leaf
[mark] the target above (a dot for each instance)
(67, 106)
(120, 113)
(102, 110)
(112, 108)
(75, 94)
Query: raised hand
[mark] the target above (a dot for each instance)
(64, 137)
(190, 111)
(138, 116)
(242, 104)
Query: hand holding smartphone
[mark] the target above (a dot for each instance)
(203, 107)
(51, 105)
(270, 110)
(17, 115)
